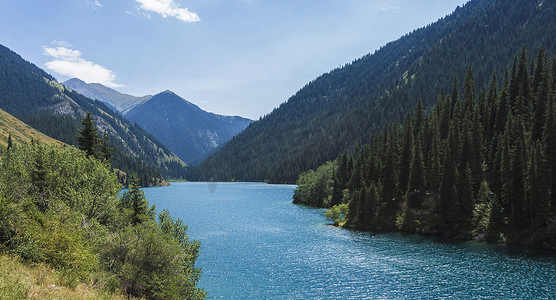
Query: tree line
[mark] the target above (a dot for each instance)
(480, 164)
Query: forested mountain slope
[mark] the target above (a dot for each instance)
(34, 97)
(481, 165)
(183, 127)
(344, 107)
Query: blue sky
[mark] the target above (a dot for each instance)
(232, 57)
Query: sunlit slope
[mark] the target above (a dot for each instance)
(19, 131)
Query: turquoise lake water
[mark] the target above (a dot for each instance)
(256, 244)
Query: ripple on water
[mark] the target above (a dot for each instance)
(257, 245)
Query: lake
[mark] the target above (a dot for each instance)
(256, 244)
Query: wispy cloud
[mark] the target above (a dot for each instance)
(68, 62)
(390, 8)
(168, 8)
(94, 4)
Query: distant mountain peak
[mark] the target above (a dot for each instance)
(183, 127)
(117, 101)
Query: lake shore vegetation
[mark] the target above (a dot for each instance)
(61, 208)
(481, 164)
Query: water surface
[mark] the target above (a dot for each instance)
(256, 244)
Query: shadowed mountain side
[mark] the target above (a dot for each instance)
(183, 127)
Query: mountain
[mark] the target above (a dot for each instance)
(183, 127)
(37, 99)
(343, 108)
(19, 131)
(112, 98)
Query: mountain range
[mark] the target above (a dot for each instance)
(36, 98)
(343, 108)
(187, 130)
(115, 100)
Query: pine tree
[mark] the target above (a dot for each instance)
(406, 156)
(105, 149)
(448, 194)
(419, 119)
(434, 167)
(538, 193)
(469, 94)
(416, 184)
(88, 136)
(10, 143)
(455, 99)
(549, 146)
(465, 193)
(390, 191)
(135, 200)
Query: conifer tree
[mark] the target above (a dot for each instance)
(88, 136)
(135, 200)
(465, 193)
(10, 143)
(419, 119)
(517, 183)
(353, 210)
(434, 167)
(416, 179)
(455, 98)
(469, 94)
(549, 146)
(538, 196)
(105, 149)
(406, 156)
(448, 193)
(390, 191)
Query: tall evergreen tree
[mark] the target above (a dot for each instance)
(406, 156)
(538, 192)
(135, 200)
(416, 184)
(105, 149)
(469, 94)
(88, 136)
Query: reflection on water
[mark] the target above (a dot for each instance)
(256, 244)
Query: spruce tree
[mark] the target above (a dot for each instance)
(416, 184)
(88, 136)
(538, 193)
(135, 200)
(549, 146)
(466, 203)
(469, 94)
(448, 194)
(406, 156)
(10, 143)
(105, 149)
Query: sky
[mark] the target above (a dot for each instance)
(231, 57)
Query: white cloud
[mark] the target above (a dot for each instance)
(68, 62)
(390, 8)
(168, 8)
(94, 4)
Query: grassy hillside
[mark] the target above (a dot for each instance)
(9, 125)
(22, 280)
